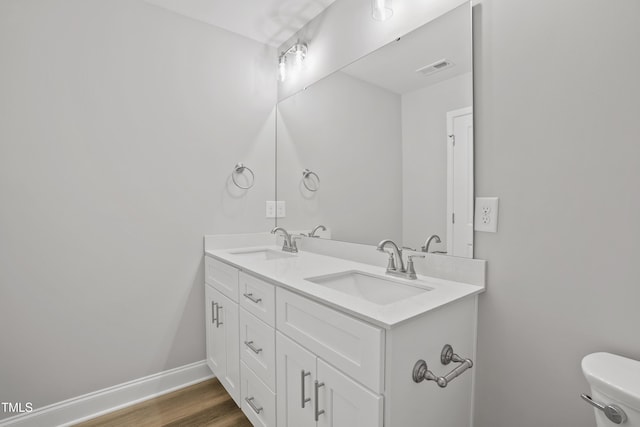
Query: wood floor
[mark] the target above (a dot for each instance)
(203, 404)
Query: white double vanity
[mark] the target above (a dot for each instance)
(310, 339)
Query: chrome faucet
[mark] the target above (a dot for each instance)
(425, 247)
(289, 243)
(395, 257)
(395, 267)
(319, 227)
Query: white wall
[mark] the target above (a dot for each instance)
(424, 158)
(119, 125)
(557, 102)
(349, 132)
(557, 107)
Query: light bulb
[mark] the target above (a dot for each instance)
(300, 53)
(282, 67)
(381, 9)
(299, 59)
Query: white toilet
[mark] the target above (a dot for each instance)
(615, 389)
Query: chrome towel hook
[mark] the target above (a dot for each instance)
(421, 372)
(306, 174)
(239, 170)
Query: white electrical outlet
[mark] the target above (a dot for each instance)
(271, 209)
(281, 209)
(486, 214)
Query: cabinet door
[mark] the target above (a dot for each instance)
(223, 351)
(345, 402)
(296, 373)
(216, 351)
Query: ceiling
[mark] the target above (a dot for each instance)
(394, 66)
(268, 21)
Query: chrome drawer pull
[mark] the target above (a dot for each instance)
(318, 413)
(250, 400)
(252, 298)
(218, 322)
(614, 413)
(304, 399)
(213, 312)
(252, 348)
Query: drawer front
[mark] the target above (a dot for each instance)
(258, 298)
(258, 347)
(351, 345)
(258, 402)
(221, 276)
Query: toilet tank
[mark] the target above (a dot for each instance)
(614, 380)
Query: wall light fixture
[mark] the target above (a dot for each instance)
(299, 52)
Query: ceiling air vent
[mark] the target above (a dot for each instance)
(435, 67)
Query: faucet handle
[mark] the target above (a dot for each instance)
(411, 271)
(391, 265)
(408, 248)
(294, 240)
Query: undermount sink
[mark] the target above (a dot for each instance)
(375, 289)
(261, 254)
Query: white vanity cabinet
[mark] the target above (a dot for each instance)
(290, 361)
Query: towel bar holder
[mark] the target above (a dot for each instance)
(421, 371)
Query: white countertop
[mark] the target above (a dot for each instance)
(290, 273)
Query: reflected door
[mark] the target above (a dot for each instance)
(460, 183)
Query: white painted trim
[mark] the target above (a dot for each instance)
(91, 405)
(474, 356)
(451, 115)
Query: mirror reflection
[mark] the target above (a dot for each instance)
(383, 149)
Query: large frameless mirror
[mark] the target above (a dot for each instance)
(383, 148)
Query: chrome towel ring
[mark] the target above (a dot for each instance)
(239, 170)
(306, 174)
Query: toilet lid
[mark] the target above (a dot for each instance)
(616, 376)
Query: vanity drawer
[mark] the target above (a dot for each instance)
(258, 402)
(258, 347)
(258, 298)
(221, 276)
(351, 345)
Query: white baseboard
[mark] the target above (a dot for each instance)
(82, 408)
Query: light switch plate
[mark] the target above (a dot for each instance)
(271, 209)
(486, 214)
(281, 209)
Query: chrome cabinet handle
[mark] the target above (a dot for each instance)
(252, 348)
(252, 298)
(213, 312)
(317, 387)
(218, 322)
(304, 399)
(614, 413)
(250, 400)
